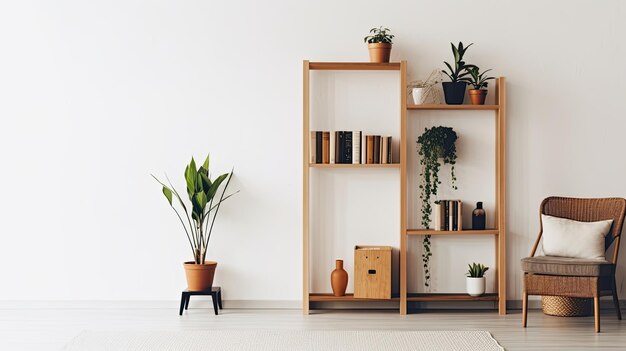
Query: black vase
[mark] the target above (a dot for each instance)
(454, 92)
(478, 217)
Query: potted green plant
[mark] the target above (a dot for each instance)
(425, 91)
(435, 145)
(379, 43)
(479, 83)
(454, 90)
(198, 218)
(475, 281)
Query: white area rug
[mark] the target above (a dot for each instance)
(286, 340)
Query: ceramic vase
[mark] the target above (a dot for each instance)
(419, 96)
(339, 279)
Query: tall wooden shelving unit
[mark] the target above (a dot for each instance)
(498, 232)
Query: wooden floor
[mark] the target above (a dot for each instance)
(50, 329)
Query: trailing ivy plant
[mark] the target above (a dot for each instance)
(434, 145)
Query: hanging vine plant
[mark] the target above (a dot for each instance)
(434, 145)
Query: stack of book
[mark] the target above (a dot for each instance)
(448, 215)
(350, 147)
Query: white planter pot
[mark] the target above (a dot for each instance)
(475, 286)
(419, 96)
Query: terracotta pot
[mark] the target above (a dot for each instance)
(200, 276)
(339, 279)
(379, 52)
(477, 96)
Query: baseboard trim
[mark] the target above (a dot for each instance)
(198, 301)
(205, 302)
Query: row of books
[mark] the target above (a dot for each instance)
(345, 147)
(448, 215)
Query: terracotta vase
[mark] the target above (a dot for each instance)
(379, 52)
(339, 279)
(477, 96)
(200, 276)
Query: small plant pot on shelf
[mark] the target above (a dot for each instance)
(454, 92)
(200, 276)
(477, 96)
(379, 52)
(419, 96)
(475, 286)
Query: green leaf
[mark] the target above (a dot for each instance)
(190, 177)
(199, 201)
(199, 183)
(205, 165)
(215, 186)
(455, 51)
(206, 182)
(168, 194)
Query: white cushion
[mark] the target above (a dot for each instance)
(568, 238)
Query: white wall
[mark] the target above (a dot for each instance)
(95, 96)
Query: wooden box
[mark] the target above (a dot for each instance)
(372, 272)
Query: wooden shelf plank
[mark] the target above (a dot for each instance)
(354, 66)
(348, 165)
(452, 232)
(452, 107)
(451, 297)
(346, 298)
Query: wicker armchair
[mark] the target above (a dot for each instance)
(570, 277)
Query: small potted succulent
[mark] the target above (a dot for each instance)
(478, 81)
(475, 281)
(198, 217)
(379, 44)
(454, 90)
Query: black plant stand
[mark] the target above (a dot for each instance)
(216, 296)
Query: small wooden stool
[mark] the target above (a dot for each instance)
(216, 296)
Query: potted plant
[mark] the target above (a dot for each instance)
(198, 218)
(475, 281)
(454, 90)
(435, 144)
(425, 91)
(479, 83)
(379, 44)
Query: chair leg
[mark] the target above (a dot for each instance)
(616, 301)
(219, 300)
(596, 312)
(187, 302)
(524, 309)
